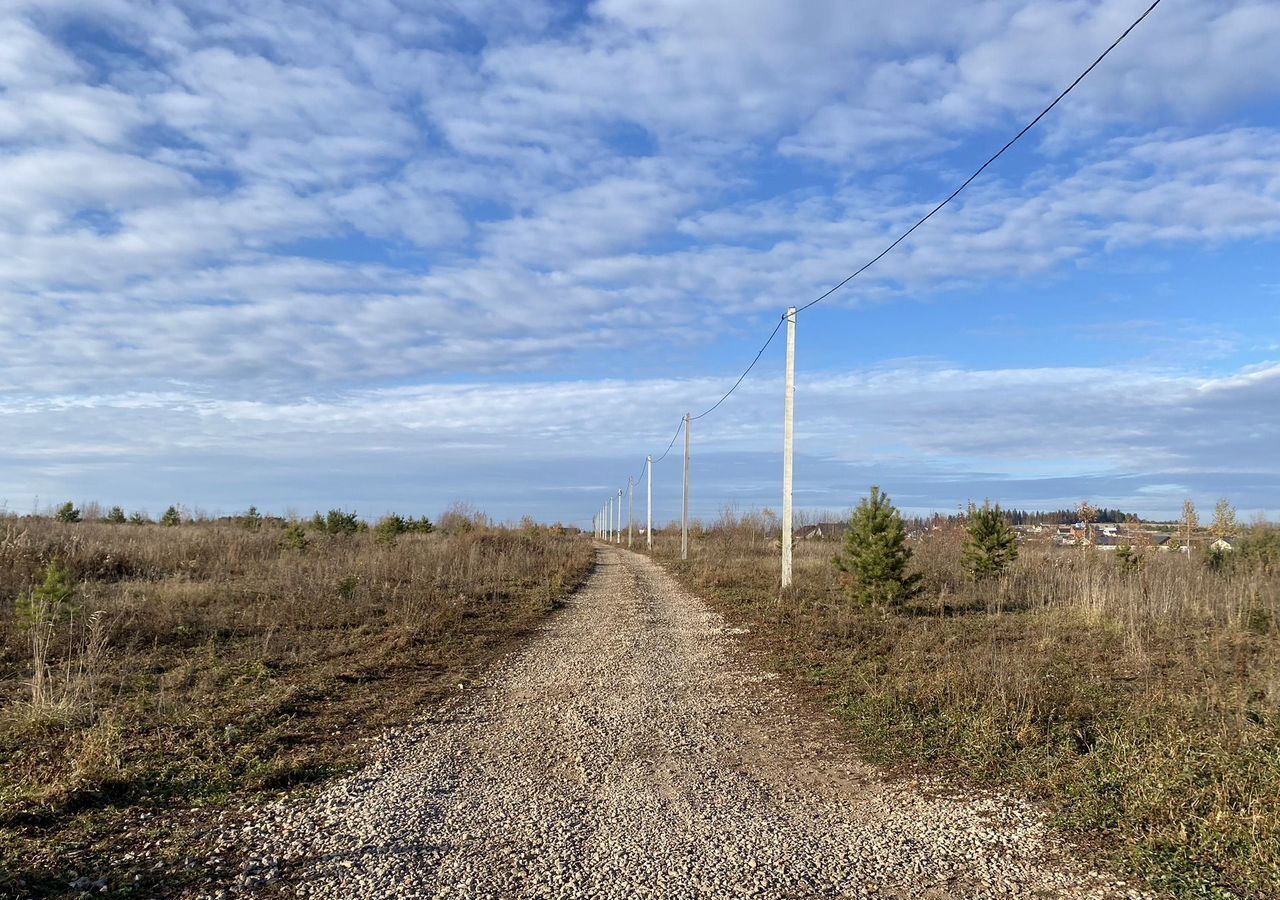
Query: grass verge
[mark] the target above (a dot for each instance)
(1142, 707)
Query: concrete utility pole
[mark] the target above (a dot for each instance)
(788, 445)
(631, 507)
(684, 515)
(609, 534)
(617, 534)
(648, 519)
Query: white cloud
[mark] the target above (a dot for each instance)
(70, 112)
(940, 432)
(252, 200)
(31, 59)
(565, 271)
(40, 190)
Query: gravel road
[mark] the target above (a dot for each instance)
(630, 750)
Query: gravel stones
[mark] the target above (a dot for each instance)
(631, 751)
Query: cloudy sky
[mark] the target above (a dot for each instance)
(389, 254)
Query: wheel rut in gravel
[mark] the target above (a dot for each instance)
(629, 750)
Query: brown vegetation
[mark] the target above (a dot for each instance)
(1141, 700)
(197, 665)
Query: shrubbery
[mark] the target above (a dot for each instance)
(1261, 548)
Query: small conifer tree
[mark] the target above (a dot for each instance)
(251, 520)
(1127, 559)
(389, 528)
(115, 516)
(67, 512)
(171, 517)
(990, 545)
(341, 522)
(52, 600)
(294, 537)
(876, 555)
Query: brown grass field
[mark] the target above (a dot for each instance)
(1143, 707)
(202, 667)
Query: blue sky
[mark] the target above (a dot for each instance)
(388, 255)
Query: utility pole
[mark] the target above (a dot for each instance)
(788, 445)
(617, 534)
(631, 506)
(648, 519)
(609, 534)
(684, 515)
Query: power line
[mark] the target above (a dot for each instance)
(679, 428)
(747, 371)
(726, 394)
(929, 215)
(982, 168)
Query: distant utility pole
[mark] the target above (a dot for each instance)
(648, 519)
(631, 506)
(617, 535)
(609, 533)
(788, 445)
(684, 515)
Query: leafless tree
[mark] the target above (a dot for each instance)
(1190, 520)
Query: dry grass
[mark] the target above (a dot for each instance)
(1144, 707)
(206, 664)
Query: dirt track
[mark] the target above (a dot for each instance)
(630, 751)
